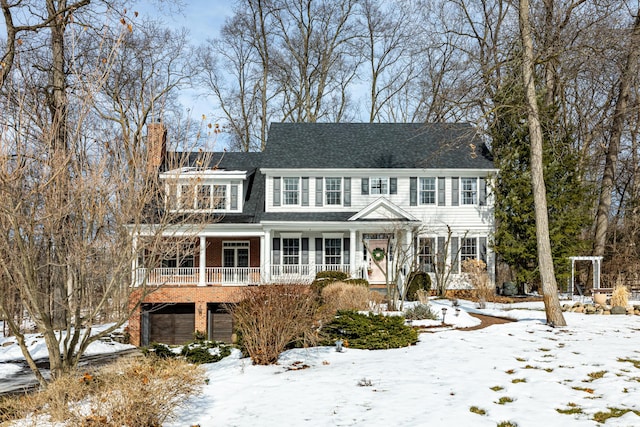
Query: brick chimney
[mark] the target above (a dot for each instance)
(156, 145)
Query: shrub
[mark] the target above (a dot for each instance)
(269, 318)
(477, 271)
(369, 331)
(323, 278)
(420, 281)
(201, 352)
(620, 296)
(131, 392)
(344, 296)
(420, 312)
(161, 351)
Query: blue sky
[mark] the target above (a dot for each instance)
(203, 19)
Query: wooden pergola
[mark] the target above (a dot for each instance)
(596, 262)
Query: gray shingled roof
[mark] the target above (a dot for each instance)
(375, 145)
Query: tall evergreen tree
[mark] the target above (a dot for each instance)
(569, 198)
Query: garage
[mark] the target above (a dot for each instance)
(220, 323)
(172, 324)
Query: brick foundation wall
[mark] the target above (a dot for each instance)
(200, 295)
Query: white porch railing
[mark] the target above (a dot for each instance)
(191, 276)
(238, 275)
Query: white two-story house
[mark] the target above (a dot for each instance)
(322, 196)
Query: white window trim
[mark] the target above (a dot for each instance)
(382, 180)
(282, 191)
(435, 190)
(476, 191)
(325, 192)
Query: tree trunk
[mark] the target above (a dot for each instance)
(545, 260)
(606, 188)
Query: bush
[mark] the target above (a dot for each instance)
(420, 312)
(420, 281)
(200, 352)
(477, 272)
(131, 392)
(368, 331)
(323, 278)
(345, 296)
(161, 351)
(269, 318)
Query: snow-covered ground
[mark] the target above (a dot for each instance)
(436, 382)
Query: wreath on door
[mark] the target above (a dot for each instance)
(378, 254)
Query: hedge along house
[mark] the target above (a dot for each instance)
(322, 196)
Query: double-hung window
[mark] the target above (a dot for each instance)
(468, 249)
(427, 191)
(291, 191)
(333, 251)
(333, 191)
(204, 197)
(426, 254)
(469, 191)
(219, 197)
(290, 251)
(379, 185)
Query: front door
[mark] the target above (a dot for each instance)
(377, 260)
(235, 259)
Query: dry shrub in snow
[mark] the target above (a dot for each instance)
(477, 272)
(271, 317)
(620, 296)
(345, 296)
(141, 392)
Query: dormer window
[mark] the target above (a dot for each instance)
(204, 197)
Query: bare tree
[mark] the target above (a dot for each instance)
(627, 76)
(73, 197)
(545, 261)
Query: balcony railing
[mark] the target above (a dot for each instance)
(234, 276)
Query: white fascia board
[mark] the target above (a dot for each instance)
(210, 230)
(332, 225)
(379, 172)
(189, 173)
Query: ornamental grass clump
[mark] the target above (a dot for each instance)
(620, 296)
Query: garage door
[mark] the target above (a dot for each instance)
(172, 324)
(220, 324)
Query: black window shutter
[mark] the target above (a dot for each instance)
(276, 191)
(345, 250)
(413, 191)
(455, 191)
(275, 247)
(441, 191)
(455, 265)
(305, 191)
(364, 185)
(305, 251)
(318, 191)
(483, 249)
(482, 199)
(393, 185)
(441, 254)
(347, 192)
(319, 250)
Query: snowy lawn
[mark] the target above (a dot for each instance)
(524, 372)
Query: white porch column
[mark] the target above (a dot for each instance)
(203, 262)
(352, 252)
(265, 257)
(134, 262)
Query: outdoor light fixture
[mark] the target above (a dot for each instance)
(444, 313)
(339, 343)
(457, 311)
